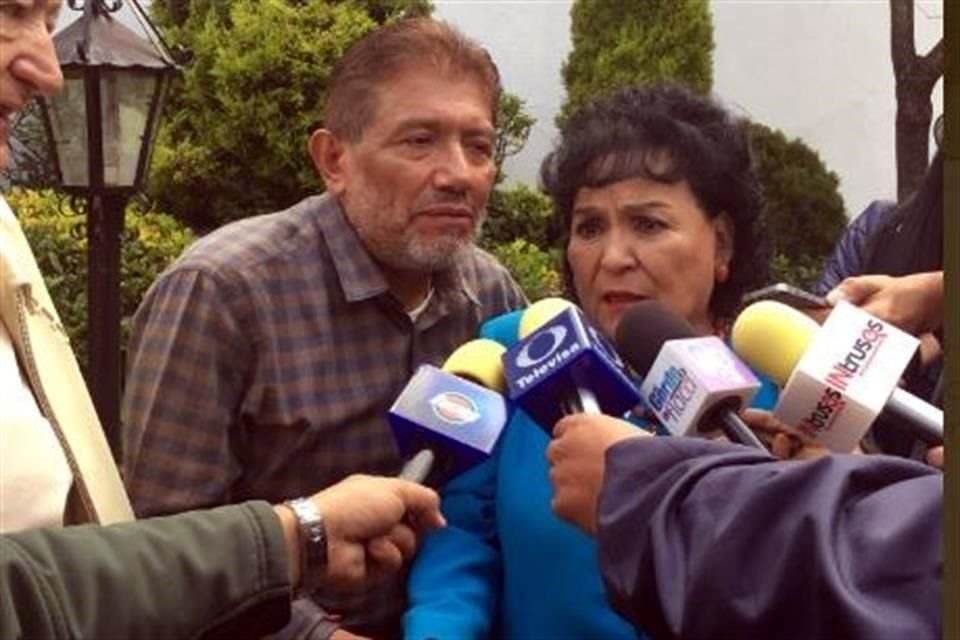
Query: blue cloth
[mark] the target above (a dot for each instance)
(505, 565)
(849, 256)
(840, 547)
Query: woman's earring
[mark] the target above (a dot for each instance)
(723, 272)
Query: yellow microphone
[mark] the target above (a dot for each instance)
(480, 361)
(772, 337)
(540, 313)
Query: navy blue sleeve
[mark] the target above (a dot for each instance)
(850, 254)
(702, 539)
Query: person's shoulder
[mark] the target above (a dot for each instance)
(246, 244)
(495, 287)
(481, 266)
(503, 328)
(873, 215)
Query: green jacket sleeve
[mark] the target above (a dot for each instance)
(220, 573)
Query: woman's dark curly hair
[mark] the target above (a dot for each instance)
(667, 133)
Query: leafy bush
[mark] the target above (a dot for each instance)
(805, 211)
(518, 233)
(57, 234)
(533, 268)
(518, 212)
(803, 272)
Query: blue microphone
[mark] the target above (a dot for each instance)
(565, 366)
(447, 420)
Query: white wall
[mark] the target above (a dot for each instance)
(821, 71)
(816, 69)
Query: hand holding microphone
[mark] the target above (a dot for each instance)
(912, 302)
(577, 456)
(371, 527)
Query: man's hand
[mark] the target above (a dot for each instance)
(373, 525)
(577, 458)
(783, 441)
(913, 302)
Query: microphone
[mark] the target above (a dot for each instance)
(836, 379)
(563, 365)
(691, 383)
(449, 419)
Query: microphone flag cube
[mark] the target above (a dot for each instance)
(692, 376)
(544, 370)
(459, 419)
(845, 377)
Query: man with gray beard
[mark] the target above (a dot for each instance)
(263, 362)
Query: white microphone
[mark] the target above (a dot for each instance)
(838, 377)
(694, 385)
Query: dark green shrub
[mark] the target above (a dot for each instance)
(518, 212)
(534, 269)
(805, 212)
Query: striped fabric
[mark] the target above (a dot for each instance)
(262, 364)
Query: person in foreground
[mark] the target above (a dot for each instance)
(222, 573)
(657, 197)
(269, 354)
(701, 539)
(227, 572)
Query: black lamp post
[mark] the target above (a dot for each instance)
(101, 127)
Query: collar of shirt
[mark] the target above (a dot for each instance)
(358, 273)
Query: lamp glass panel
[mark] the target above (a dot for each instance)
(126, 95)
(68, 123)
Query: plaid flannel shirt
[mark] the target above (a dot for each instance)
(263, 362)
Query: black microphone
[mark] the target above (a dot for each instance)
(692, 383)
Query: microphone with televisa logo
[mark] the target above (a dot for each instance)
(836, 378)
(693, 384)
(563, 365)
(449, 419)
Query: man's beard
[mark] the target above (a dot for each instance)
(400, 247)
(415, 253)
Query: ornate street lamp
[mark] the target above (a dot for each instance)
(101, 128)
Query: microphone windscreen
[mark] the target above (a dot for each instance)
(644, 328)
(479, 361)
(540, 313)
(772, 337)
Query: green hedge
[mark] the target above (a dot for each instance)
(57, 234)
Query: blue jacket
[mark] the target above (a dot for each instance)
(841, 547)
(505, 565)
(849, 256)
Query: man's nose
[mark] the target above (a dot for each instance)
(454, 169)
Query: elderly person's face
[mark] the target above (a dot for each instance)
(415, 186)
(28, 63)
(638, 239)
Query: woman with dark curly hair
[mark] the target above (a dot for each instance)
(656, 197)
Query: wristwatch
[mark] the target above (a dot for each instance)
(313, 544)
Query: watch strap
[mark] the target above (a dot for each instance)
(312, 536)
